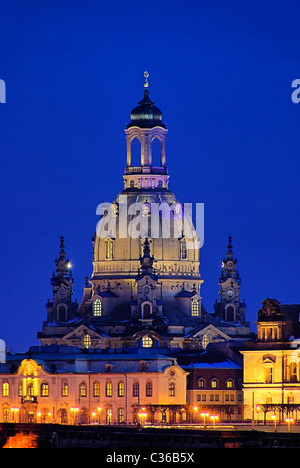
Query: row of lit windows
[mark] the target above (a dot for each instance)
(83, 390)
(216, 397)
(109, 244)
(214, 383)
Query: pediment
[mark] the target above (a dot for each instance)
(80, 331)
(212, 332)
(269, 359)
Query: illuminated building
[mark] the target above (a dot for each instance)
(65, 386)
(271, 364)
(141, 312)
(145, 287)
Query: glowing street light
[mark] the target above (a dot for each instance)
(142, 415)
(274, 417)
(289, 421)
(204, 416)
(99, 411)
(214, 417)
(74, 411)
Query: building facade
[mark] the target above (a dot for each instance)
(272, 364)
(141, 325)
(65, 386)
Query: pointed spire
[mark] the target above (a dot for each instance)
(229, 247)
(62, 263)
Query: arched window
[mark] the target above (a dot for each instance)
(64, 389)
(96, 389)
(195, 308)
(146, 310)
(136, 153)
(132, 184)
(45, 389)
(83, 389)
(87, 341)
(121, 389)
(229, 383)
(183, 251)
(160, 184)
(135, 389)
(109, 249)
(108, 416)
(108, 388)
(294, 373)
(214, 383)
(172, 389)
(148, 388)
(156, 152)
(62, 314)
(29, 389)
(97, 308)
(201, 383)
(121, 415)
(230, 314)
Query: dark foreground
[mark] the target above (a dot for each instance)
(114, 438)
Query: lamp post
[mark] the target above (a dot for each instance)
(214, 417)
(195, 411)
(289, 421)
(74, 411)
(99, 411)
(274, 417)
(204, 416)
(142, 415)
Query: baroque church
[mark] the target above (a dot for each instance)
(145, 289)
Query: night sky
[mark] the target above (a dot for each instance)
(221, 73)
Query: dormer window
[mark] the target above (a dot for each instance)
(195, 308)
(97, 308)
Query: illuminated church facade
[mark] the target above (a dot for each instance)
(145, 288)
(141, 336)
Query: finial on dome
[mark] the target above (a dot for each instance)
(146, 76)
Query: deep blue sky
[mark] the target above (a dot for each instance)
(221, 72)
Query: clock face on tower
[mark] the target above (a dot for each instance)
(229, 292)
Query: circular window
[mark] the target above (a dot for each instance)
(147, 342)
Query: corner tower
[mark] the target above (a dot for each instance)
(230, 309)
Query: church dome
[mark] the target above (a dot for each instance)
(146, 115)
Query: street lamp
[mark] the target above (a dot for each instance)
(74, 410)
(99, 411)
(204, 416)
(14, 411)
(214, 417)
(195, 411)
(274, 417)
(289, 421)
(142, 415)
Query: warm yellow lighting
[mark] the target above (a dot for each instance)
(99, 408)
(69, 265)
(195, 408)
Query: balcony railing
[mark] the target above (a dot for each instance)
(29, 399)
